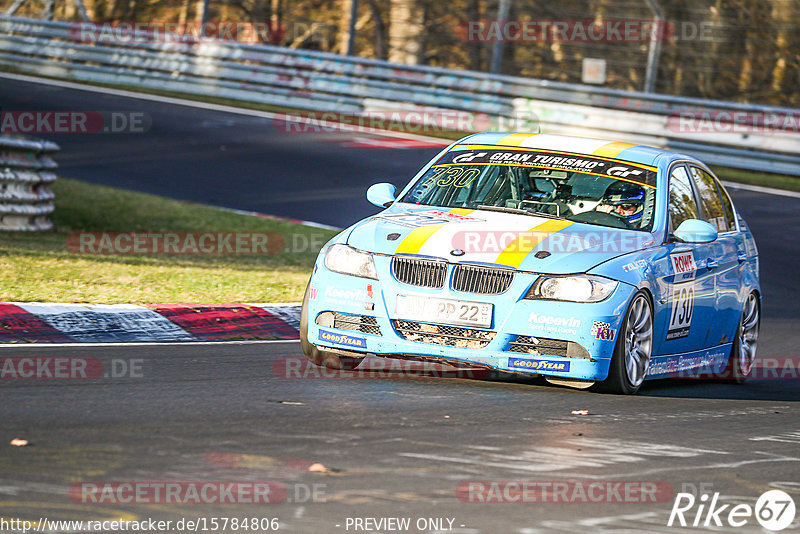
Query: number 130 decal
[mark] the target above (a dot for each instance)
(453, 176)
(680, 316)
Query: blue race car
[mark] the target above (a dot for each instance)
(585, 261)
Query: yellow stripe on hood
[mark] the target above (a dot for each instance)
(514, 139)
(513, 254)
(612, 150)
(418, 236)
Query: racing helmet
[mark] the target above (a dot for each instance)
(628, 196)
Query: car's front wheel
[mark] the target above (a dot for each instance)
(323, 358)
(631, 358)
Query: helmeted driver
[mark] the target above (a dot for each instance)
(623, 199)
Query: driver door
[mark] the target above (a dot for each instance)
(688, 293)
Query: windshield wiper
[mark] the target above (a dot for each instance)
(519, 211)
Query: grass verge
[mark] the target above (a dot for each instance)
(40, 267)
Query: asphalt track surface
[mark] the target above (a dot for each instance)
(398, 446)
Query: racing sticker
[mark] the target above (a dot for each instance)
(426, 218)
(603, 331)
(538, 365)
(342, 339)
(634, 266)
(680, 315)
(546, 160)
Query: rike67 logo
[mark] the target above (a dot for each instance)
(774, 510)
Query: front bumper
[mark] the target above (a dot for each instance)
(585, 327)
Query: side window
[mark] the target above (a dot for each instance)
(681, 197)
(709, 196)
(727, 207)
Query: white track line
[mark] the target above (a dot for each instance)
(762, 189)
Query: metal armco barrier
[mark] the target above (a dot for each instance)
(26, 200)
(329, 82)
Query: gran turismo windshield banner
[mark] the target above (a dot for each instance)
(561, 161)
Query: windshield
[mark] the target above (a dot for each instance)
(577, 188)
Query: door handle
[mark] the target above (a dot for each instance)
(711, 264)
(742, 257)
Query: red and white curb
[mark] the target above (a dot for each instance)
(24, 322)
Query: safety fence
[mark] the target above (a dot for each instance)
(722, 133)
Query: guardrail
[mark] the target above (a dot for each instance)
(25, 177)
(328, 82)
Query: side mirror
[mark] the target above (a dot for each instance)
(382, 195)
(695, 231)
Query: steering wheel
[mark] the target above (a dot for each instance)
(602, 218)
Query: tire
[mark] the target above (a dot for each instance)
(631, 358)
(743, 349)
(322, 358)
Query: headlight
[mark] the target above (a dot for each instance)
(347, 260)
(577, 288)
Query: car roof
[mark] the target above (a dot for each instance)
(642, 154)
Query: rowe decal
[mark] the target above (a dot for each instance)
(538, 365)
(342, 339)
(682, 310)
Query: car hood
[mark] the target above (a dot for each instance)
(524, 242)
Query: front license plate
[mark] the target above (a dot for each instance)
(445, 311)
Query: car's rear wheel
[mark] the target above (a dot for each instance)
(631, 358)
(743, 349)
(323, 358)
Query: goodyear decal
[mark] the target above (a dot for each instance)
(342, 339)
(417, 237)
(596, 165)
(538, 365)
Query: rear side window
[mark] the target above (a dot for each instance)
(713, 212)
(681, 197)
(730, 218)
